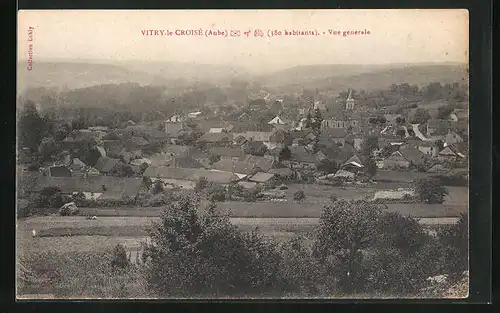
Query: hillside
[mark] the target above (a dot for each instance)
(78, 75)
(307, 73)
(84, 74)
(188, 72)
(341, 77)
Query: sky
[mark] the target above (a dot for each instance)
(396, 36)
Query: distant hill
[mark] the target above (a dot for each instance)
(341, 77)
(188, 72)
(84, 74)
(307, 73)
(79, 75)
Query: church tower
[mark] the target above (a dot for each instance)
(349, 105)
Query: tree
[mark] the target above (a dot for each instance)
(346, 228)
(217, 193)
(119, 259)
(255, 148)
(50, 197)
(457, 237)
(143, 167)
(328, 166)
(370, 250)
(421, 116)
(122, 170)
(439, 144)
(400, 121)
(61, 131)
(308, 123)
(48, 148)
(370, 167)
(146, 181)
(198, 252)
(31, 127)
(201, 184)
(317, 121)
(299, 195)
(444, 112)
(157, 187)
(430, 190)
(285, 154)
(369, 145)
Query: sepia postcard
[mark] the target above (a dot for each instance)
(242, 154)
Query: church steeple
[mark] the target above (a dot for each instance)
(349, 105)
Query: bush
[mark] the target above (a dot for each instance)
(271, 184)
(79, 199)
(119, 259)
(50, 197)
(157, 200)
(457, 238)
(69, 209)
(217, 193)
(198, 252)
(158, 187)
(299, 195)
(79, 275)
(430, 190)
(201, 184)
(371, 250)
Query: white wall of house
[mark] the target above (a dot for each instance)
(185, 184)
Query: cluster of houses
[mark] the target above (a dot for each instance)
(225, 152)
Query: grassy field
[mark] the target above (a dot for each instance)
(281, 221)
(55, 233)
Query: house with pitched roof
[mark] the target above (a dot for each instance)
(353, 164)
(216, 139)
(404, 158)
(106, 164)
(187, 177)
(261, 177)
(396, 160)
(226, 153)
(239, 140)
(300, 158)
(240, 168)
(450, 154)
(436, 127)
(135, 142)
(426, 147)
(265, 163)
(332, 135)
(278, 123)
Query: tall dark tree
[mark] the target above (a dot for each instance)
(369, 145)
(430, 190)
(48, 149)
(285, 154)
(317, 120)
(31, 127)
(421, 116)
(444, 112)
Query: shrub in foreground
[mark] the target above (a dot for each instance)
(196, 252)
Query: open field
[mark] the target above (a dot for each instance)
(77, 234)
(286, 210)
(281, 221)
